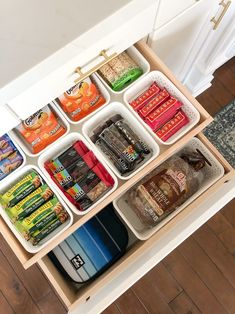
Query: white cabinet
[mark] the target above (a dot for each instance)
(190, 45)
(169, 9)
(217, 49)
(176, 41)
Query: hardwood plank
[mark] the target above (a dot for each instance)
(209, 103)
(219, 223)
(165, 282)
(192, 284)
(209, 273)
(128, 301)
(14, 291)
(229, 212)
(228, 239)
(217, 252)
(112, 309)
(33, 279)
(151, 297)
(182, 304)
(51, 305)
(4, 305)
(226, 77)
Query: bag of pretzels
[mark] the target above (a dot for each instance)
(167, 187)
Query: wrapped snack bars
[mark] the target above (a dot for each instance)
(120, 144)
(33, 208)
(82, 179)
(120, 72)
(10, 157)
(160, 111)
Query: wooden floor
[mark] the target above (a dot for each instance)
(198, 277)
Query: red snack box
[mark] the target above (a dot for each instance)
(154, 103)
(145, 97)
(162, 114)
(173, 126)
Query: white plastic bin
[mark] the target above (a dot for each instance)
(58, 149)
(163, 82)
(26, 244)
(211, 175)
(106, 113)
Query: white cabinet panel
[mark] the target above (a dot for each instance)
(169, 9)
(174, 42)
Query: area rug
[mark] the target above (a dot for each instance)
(221, 132)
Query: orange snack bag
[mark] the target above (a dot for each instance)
(81, 99)
(41, 129)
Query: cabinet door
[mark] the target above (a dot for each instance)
(169, 9)
(174, 42)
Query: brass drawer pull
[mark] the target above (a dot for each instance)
(225, 9)
(103, 54)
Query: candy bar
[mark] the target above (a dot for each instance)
(35, 221)
(21, 189)
(79, 196)
(64, 179)
(81, 99)
(39, 236)
(130, 136)
(118, 146)
(145, 97)
(10, 163)
(172, 126)
(30, 203)
(64, 160)
(154, 103)
(162, 114)
(118, 162)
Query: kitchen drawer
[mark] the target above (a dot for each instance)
(110, 29)
(170, 234)
(28, 259)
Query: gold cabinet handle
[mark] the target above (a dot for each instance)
(225, 9)
(103, 54)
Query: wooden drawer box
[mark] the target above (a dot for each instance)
(72, 297)
(28, 259)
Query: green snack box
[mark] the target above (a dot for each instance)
(29, 224)
(39, 236)
(30, 203)
(21, 189)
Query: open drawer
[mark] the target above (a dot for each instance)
(172, 234)
(28, 259)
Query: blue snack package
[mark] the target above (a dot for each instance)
(9, 164)
(6, 147)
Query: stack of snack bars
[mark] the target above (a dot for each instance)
(120, 144)
(79, 175)
(33, 208)
(10, 158)
(161, 111)
(120, 72)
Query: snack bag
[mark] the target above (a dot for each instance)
(81, 99)
(9, 164)
(41, 129)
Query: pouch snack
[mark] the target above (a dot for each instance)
(81, 99)
(41, 129)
